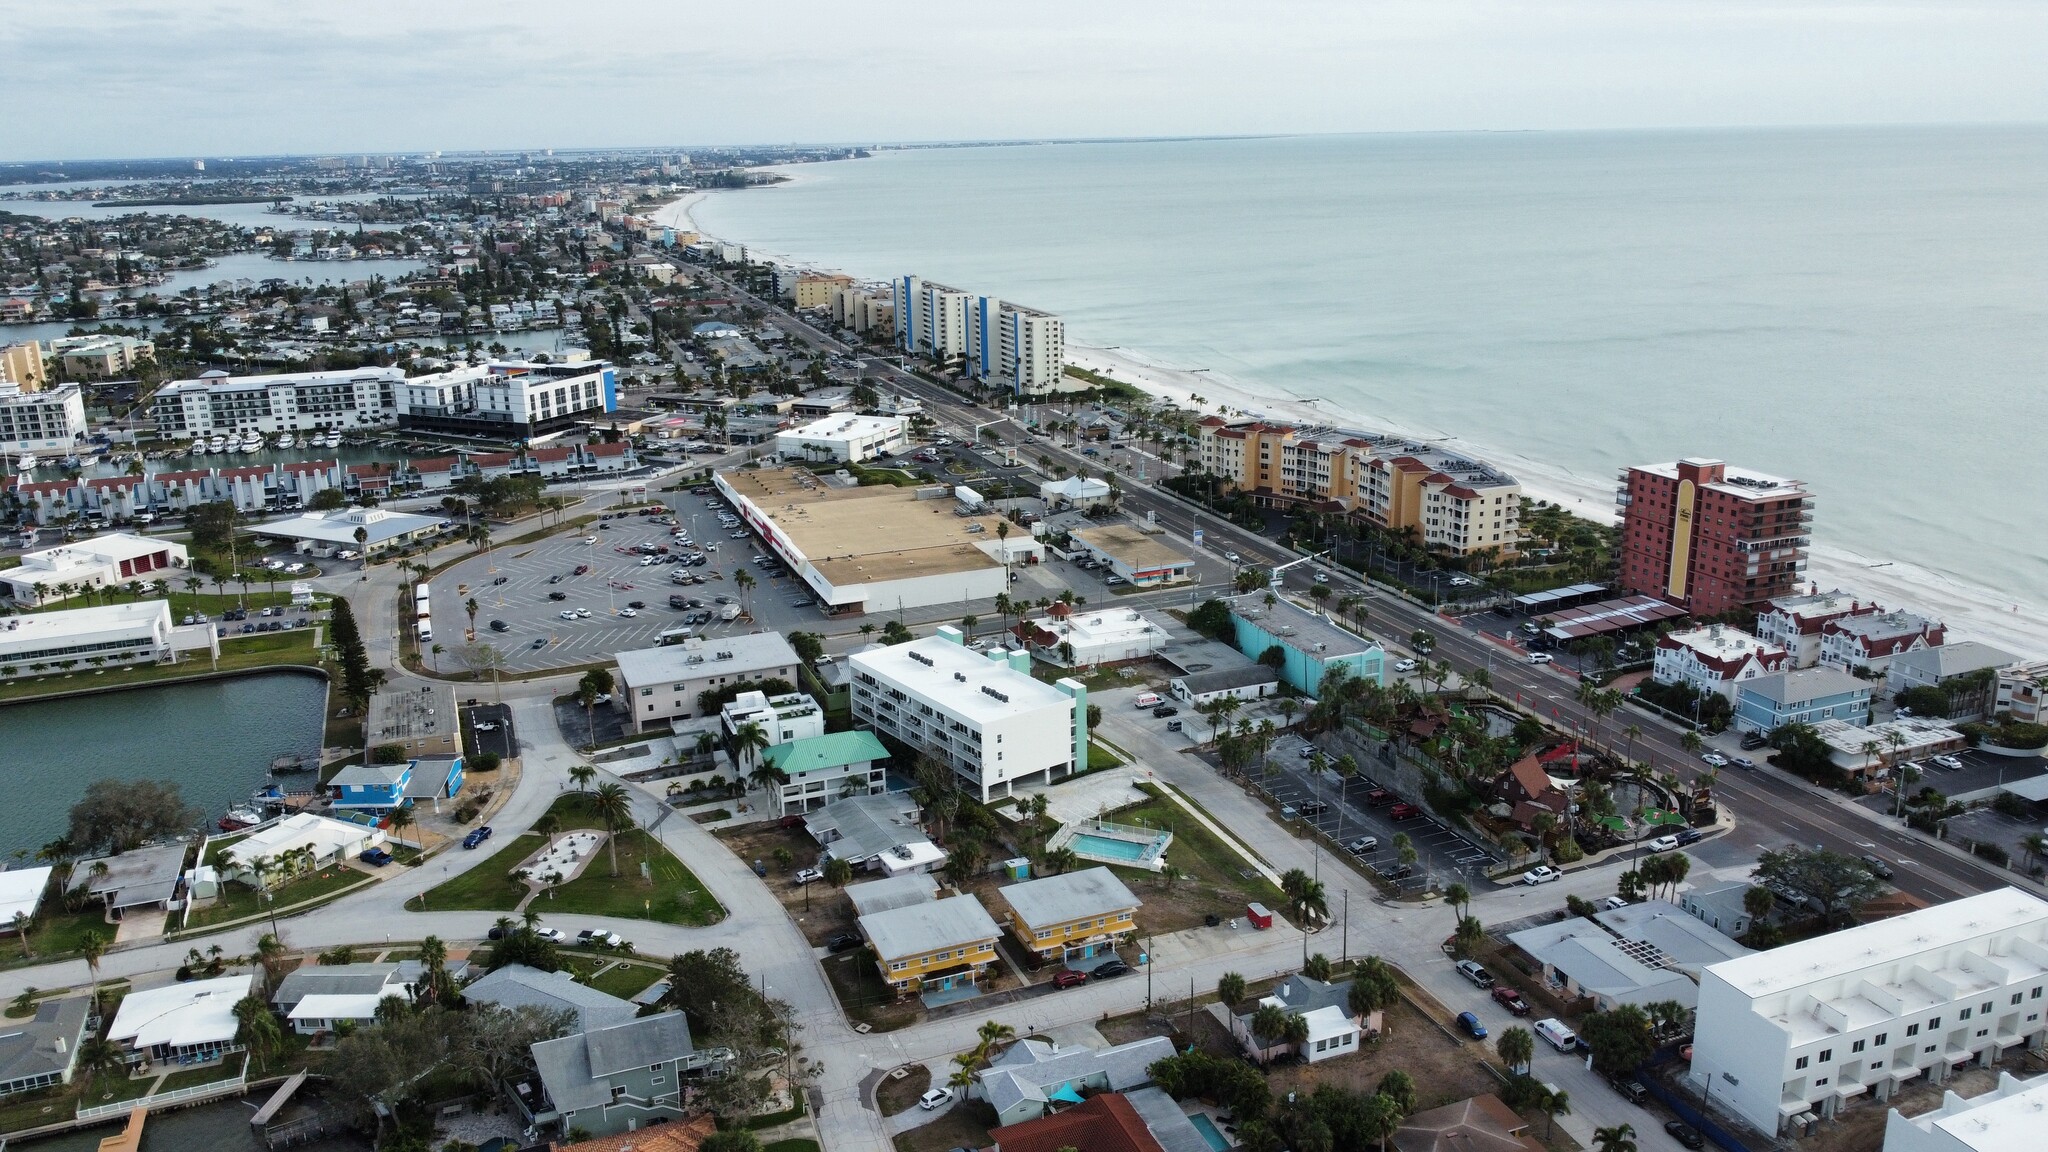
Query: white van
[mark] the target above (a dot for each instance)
(426, 630)
(1148, 700)
(1560, 1037)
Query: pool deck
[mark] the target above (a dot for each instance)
(1148, 845)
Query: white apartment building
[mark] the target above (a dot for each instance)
(285, 402)
(1714, 659)
(100, 357)
(1794, 623)
(1793, 1034)
(2023, 691)
(109, 561)
(1869, 642)
(111, 634)
(931, 319)
(511, 398)
(986, 716)
(863, 309)
(1020, 347)
(845, 438)
(791, 716)
(661, 685)
(43, 422)
(2005, 1119)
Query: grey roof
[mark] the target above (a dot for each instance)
(1599, 963)
(137, 876)
(873, 896)
(366, 979)
(516, 985)
(747, 655)
(858, 827)
(1964, 656)
(573, 1068)
(916, 929)
(1068, 896)
(1033, 1069)
(1225, 679)
(370, 775)
(46, 1044)
(1298, 628)
(1690, 944)
(1167, 1123)
(1804, 684)
(430, 776)
(1304, 994)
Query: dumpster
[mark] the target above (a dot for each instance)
(1260, 915)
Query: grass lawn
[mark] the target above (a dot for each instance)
(1215, 874)
(1100, 757)
(216, 847)
(239, 654)
(624, 980)
(239, 900)
(61, 933)
(34, 1109)
(485, 887)
(671, 895)
(227, 1070)
(964, 1125)
(213, 604)
(864, 995)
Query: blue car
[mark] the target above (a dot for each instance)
(1471, 1025)
(376, 856)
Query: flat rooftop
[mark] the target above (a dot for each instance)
(2007, 911)
(1136, 550)
(696, 658)
(1299, 628)
(954, 676)
(844, 426)
(112, 622)
(866, 534)
(1739, 482)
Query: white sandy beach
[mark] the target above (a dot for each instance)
(1970, 611)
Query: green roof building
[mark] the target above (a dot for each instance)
(817, 770)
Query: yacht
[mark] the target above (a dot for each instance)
(250, 442)
(333, 439)
(217, 443)
(27, 463)
(284, 440)
(241, 816)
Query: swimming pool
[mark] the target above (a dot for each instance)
(1108, 848)
(1207, 1128)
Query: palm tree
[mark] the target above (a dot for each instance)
(469, 607)
(1516, 1047)
(1555, 1104)
(1458, 896)
(1230, 988)
(1620, 1138)
(400, 819)
(548, 825)
(1379, 1119)
(748, 742)
(256, 1028)
(94, 948)
(614, 807)
(97, 1057)
(581, 775)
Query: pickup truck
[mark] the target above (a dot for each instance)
(599, 938)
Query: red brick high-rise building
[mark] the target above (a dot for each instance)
(1710, 538)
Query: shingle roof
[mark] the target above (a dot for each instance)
(1033, 1069)
(574, 1067)
(1956, 659)
(1225, 679)
(516, 985)
(360, 775)
(1105, 1123)
(32, 1047)
(1476, 1124)
(1068, 896)
(334, 980)
(1804, 684)
(881, 895)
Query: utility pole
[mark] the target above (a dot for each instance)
(1345, 946)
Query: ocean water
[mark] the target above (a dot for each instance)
(1863, 309)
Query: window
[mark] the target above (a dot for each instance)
(1799, 1063)
(659, 1080)
(1986, 1009)
(1820, 1081)
(2035, 994)
(2015, 999)
(1983, 1032)
(1936, 1023)
(1827, 1054)
(1856, 1047)
(1963, 1015)
(1880, 1038)
(1912, 1029)
(618, 1091)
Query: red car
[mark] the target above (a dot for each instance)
(1067, 978)
(1379, 797)
(1510, 999)
(582, 569)
(1404, 811)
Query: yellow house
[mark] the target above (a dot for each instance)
(932, 945)
(1072, 916)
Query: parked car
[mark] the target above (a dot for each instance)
(809, 875)
(1398, 872)
(1689, 836)
(1165, 710)
(1685, 1134)
(1469, 1024)
(1308, 751)
(1380, 798)
(1362, 845)
(539, 642)
(1540, 658)
(1475, 972)
(599, 938)
(1404, 812)
(842, 942)
(558, 596)
(1109, 970)
(1067, 978)
(1751, 741)
(935, 1098)
(1405, 666)
(1314, 808)
(1613, 904)
(1510, 999)
(1663, 844)
(551, 935)
(376, 856)
(1630, 1088)
(500, 626)
(1541, 874)
(1949, 762)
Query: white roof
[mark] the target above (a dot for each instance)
(106, 623)
(1915, 736)
(1107, 626)
(339, 527)
(21, 890)
(338, 1006)
(954, 676)
(695, 659)
(2006, 911)
(2005, 1119)
(200, 1012)
(846, 427)
(1741, 483)
(108, 549)
(292, 833)
(1075, 488)
(1723, 643)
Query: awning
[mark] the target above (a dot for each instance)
(1904, 1073)
(1066, 1095)
(2033, 788)
(1844, 1091)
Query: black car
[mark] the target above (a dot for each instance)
(555, 579)
(499, 580)
(1685, 1134)
(1165, 710)
(1398, 872)
(1751, 741)
(1630, 1088)
(558, 595)
(636, 605)
(843, 942)
(1109, 969)
(1689, 836)
(1313, 808)
(539, 642)
(500, 626)
(496, 933)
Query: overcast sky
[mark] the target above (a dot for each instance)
(103, 78)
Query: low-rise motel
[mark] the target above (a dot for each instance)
(1071, 916)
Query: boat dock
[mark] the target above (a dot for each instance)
(278, 1099)
(130, 1137)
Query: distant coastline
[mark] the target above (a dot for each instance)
(186, 201)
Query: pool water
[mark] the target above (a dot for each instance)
(1108, 847)
(1207, 1128)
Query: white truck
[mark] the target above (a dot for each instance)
(729, 613)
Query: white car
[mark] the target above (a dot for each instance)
(567, 613)
(551, 935)
(1715, 759)
(646, 560)
(1233, 557)
(274, 565)
(1405, 666)
(485, 726)
(1462, 582)
(583, 613)
(1539, 658)
(590, 539)
(629, 612)
(935, 1099)
(1663, 844)
(1541, 874)
(1950, 763)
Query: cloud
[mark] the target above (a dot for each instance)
(232, 77)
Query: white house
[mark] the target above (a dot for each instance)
(1801, 1030)
(328, 1012)
(844, 437)
(1080, 638)
(1714, 659)
(816, 770)
(295, 845)
(1794, 623)
(1332, 1029)
(1074, 492)
(21, 893)
(195, 1020)
(986, 717)
(1869, 642)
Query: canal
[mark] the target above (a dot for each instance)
(216, 739)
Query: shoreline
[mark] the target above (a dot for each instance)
(1970, 611)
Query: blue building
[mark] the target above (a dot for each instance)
(1310, 643)
(1807, 696)
(378, 788)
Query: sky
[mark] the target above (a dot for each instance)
(139, 78)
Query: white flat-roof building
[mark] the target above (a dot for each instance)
(1078, 638)
(285, 402)
(133, 633)
(331, 841)
(844, 437)
(46, 422)
(195, 1019)
(661, 685)
(1870, 747)
(1801, 1029)
(336, 530)
(101, 562)
(1714, 659)
(2006, 1119)
(21, 893)
(985, 716)
(791, 716)
(511, 398)
(328, 1012)
(1142, 558)
(1075, 492)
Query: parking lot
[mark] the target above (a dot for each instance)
(490, 729)
(1347, 813)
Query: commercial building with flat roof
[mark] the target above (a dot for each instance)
(1801, 1029)
(1710, 538)
(1080, 638)
(1142, 558)
(986, 717)
(509, 399)
(845, 437)
(661, 685)
(336, 530)
(1310, 642)
(877, 547)
(110, 634)
(108, 561)
(1895, 741)
(422, 718)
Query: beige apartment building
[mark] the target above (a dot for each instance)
(22, 366)
(815, 291)
(863, 309)
(1452, 504)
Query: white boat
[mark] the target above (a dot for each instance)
(284, 440)
(27, 463)
(217, 443)
(250, 442)
(333, 439)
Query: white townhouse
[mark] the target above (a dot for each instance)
(985, 715)
(1714, 659)
(1797, 1032)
